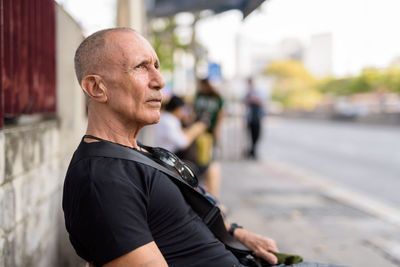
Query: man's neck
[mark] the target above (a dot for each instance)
(102, 126)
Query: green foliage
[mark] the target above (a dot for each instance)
(334, 86)
(369, 80)
(289, 70)
(391, 81)
(164, 41)
(294, 86)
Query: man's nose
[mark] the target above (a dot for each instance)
(156, 80)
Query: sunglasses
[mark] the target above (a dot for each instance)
(170, 159)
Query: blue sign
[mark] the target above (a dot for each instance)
(214, 71)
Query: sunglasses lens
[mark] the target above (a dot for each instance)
(189, 176)
(173, 161)
(164, 157)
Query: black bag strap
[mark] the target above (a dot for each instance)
(209, 213)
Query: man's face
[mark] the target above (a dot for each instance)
(133, 79)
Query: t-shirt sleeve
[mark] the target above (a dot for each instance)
(177, 137)
(113, 215)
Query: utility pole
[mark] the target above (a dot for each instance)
(132, 13)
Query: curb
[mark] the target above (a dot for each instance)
(384, 211)
(377, 209)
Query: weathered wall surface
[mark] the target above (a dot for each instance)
(30, 195)
(33, 161)
(71, 111)
(71, 107)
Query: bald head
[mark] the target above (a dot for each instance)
(92, 53)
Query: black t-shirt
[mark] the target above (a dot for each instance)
(113, 206)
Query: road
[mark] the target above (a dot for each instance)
(325, 190)
(364, 158)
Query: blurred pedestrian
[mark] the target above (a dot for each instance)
(171, 135)
(255, 113)
(169, 131)
(207, 107)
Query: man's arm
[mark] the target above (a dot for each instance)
(218, 123)
(260, 245)
(145, 256)
(193, 132)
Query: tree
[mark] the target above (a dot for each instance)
(165, 40)
(369, 80)
(333, 86)
(391, 79)
(293, 85)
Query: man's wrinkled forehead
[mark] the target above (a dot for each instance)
(128, 47)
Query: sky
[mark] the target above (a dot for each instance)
(92, 15)
(364, 31)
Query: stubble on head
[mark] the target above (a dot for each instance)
(98, 54)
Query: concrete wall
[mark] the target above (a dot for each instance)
(34, 155)
(71, 110)
(71, 107)
(30, 195)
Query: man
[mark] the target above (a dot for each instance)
(255, 113)
(118, 212)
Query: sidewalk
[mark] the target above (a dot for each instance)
(305, 217)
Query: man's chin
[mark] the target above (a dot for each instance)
(155, 122)
(151, 118)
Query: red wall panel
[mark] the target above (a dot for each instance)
(8, 63)
(27, 39)
(1, 63)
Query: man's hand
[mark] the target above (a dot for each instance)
(260, 245)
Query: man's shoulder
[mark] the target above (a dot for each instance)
(94, 177)
(101, 169)
(99, 166)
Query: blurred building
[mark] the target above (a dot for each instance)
(319, 55)
(254, 56)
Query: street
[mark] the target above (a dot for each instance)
(364, 158)
(324, 190)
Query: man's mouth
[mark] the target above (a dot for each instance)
(154, 101)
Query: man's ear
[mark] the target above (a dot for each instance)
(94, 87)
